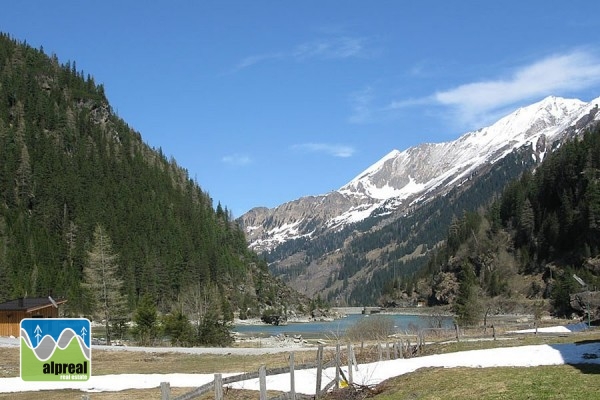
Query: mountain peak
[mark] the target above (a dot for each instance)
(403, 179)
(549, 108)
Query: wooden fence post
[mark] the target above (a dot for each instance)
(337, 366)
(379, 351)
(457, 332)
(494, 332)
(401, 349)
(292, 378)
(350, 356)
(218, 387)
(165, 390)
(319, 370)
(262, 379)
(387, 350)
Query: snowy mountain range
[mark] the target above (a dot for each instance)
(403, 180)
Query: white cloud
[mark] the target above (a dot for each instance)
(398, 104)
(339, 47)
(476, 102)
(336, 150)
(330, 48)
(256, 59)
(237, 159)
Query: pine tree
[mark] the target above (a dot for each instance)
(146, 321)
(467, 306)
(102, 282)
(213, 331)
(178, 328)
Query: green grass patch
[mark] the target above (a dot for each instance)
(544, 382)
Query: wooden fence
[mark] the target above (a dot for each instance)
(406, 346)
(386, 351)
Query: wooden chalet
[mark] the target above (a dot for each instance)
(13, 311)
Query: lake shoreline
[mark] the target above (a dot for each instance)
(301, 329)
(337, 313)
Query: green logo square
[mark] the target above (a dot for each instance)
(56, 349)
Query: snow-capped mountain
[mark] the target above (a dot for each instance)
(403, 180)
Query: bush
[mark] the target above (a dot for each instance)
(376, 327)
(213, 331)
(178, 328)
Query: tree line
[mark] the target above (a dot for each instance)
(542, 229)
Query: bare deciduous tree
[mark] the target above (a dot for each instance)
(102, 281)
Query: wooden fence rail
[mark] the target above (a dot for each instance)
(199, 391)
(397, 349)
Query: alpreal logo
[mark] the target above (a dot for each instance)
(56, 349)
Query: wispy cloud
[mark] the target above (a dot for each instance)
(478, 102)
(360, 102)
(336, 150)
(552, 75)
(398, 104)
(256, 59)
(237, 160)
(339, 47)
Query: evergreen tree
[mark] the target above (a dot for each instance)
(467, 306)
(146, 321)
(178, 329)
(214, 331)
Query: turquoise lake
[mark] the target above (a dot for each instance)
(402, 323)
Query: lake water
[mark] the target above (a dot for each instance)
(402, 323)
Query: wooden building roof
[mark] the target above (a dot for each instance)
(30, 304)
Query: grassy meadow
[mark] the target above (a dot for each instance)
(545, 382)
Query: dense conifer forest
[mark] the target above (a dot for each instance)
(524, 248)
(69, 166)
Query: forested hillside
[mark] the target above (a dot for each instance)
(392, 248)
(70, 166)
(523, 250)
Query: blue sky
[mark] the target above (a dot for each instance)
(264, 102)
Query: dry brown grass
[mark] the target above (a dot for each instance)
(141, 394)
(498, 381)
(123, 362)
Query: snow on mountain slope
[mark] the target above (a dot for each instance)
(404, 178)
(422, 169)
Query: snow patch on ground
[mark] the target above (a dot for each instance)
(367, 374)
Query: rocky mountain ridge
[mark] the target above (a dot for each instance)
(402, 180)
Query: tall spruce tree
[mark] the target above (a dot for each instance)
(102, 282)
(467, 306)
